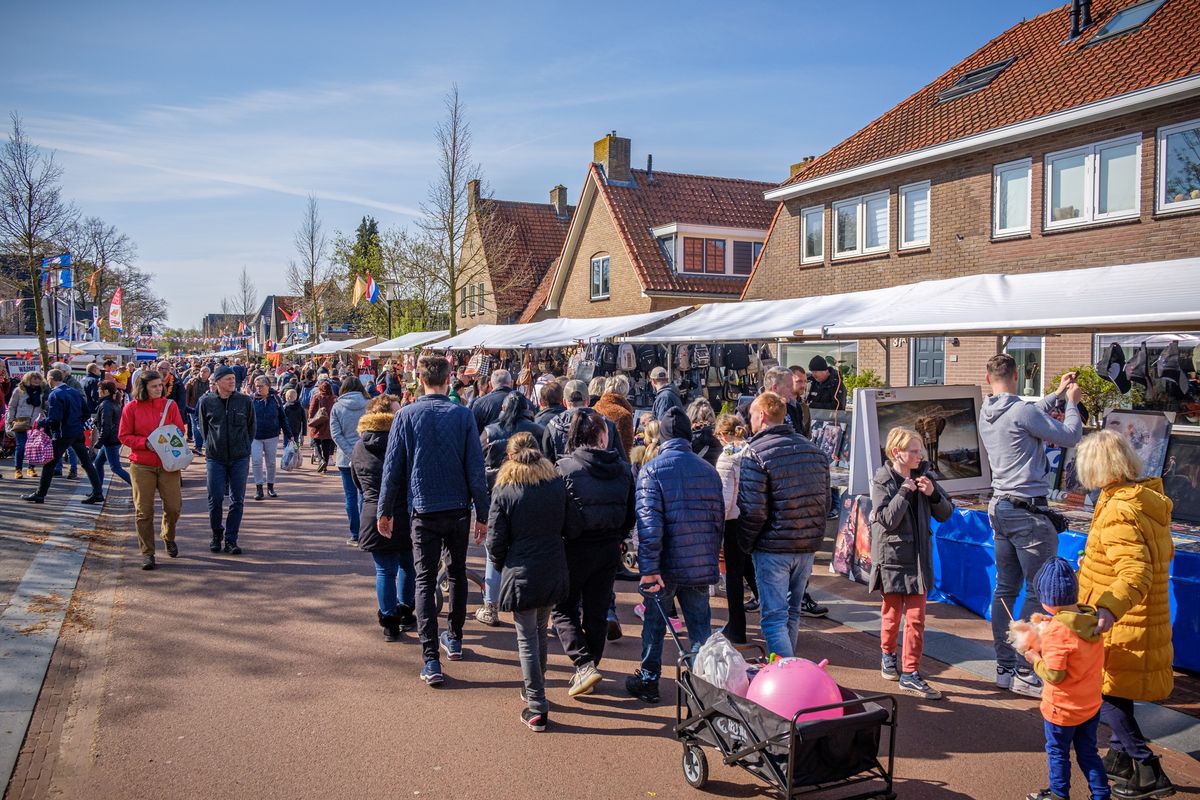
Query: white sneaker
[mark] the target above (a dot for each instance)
(488, 615)
(1024, 682)
(584, 680)
(1004, 676)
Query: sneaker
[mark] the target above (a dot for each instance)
(271, 490)
(232, 548)
(913, 683)
(1024, 682)
(833, 514)
(534, 720)
(215, 545)
(147, 562)
(352, 542)
(614, 630)
(752, 605)
(488, 615)
(584, 680)
(676, 623)
(811, 608)
(408, 620)
(452, 646)
(644, 690)
(431, 673)
(1004, 676)
(639, 611)
(172, 549)
(1044, 794)
(887, 667)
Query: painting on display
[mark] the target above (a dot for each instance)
(828, 437)
(1070, 490)
(1054, 456)
(843, 418)
(1148, 431)
(1181, 475)
(852, 546)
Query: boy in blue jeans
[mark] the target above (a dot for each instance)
(1071, 666)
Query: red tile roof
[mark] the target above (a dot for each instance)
(539, 295)
(686, 199)
(521, 243)
(1049, 75)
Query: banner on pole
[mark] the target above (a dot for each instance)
(114, 312)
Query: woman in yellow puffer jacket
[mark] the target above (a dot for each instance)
(1124, 575)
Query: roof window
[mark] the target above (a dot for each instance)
(1127, 20)
(977, 79)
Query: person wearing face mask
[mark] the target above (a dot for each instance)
(904, 498)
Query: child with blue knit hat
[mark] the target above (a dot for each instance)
(1070, 662)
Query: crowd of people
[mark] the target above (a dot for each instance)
(557, 481)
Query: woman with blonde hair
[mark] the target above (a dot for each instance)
(704, 441)
(645, 446)
(25, 408)
(904, 498)
(739, 569)
(1124, 575)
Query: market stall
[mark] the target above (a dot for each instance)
(340, 346)
(102, 350)
(409, 341)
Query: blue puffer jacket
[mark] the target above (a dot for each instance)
(680, 516)
(66, 410)
(783, 496)
(434, 451)
(269, 419)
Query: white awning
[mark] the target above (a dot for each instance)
(291, 348)
(409, 341)
(1152, 296)
(556, 332)
(104, 348)
(327, 348)
(29, 344)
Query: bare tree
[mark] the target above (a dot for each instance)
(245, 303)
(34, 218)
(103, 258)
(311, 276)
(409, 268)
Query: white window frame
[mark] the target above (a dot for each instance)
(1041, 360)
(861, 202)
(600, 289)
(1163, 204)
(903, 196)
(1091, 194)
(472, 303)
(804, 215)
(1019, 230)
(481, 292)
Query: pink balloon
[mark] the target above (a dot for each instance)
(791, 684)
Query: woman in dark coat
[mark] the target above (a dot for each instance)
(320, 408)
(395, 579)
(104, 435)
(904, 498)
(600, 514)
(704, 437)
(525, 542)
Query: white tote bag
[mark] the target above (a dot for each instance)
(169, 444)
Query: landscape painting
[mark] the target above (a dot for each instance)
(1181, 476)
(948, 429)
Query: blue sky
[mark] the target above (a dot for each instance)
(198, 129)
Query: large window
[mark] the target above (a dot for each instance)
(861, 225)
(481, 291)
(600, 278)
(812, 235)
(1027, 352)
(1012, 186)
(704, 255)
(914, 215)
(1179, 167)
(462, 301)
(1094, 183)
(744, 256)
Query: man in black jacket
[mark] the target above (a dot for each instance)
(487, 408)
(825, 386)
(554, 442)
(783, 499)
(227, 425)
(550, 403)
(665, 394)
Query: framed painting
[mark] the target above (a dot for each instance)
(1148, 431)
(1181, 474)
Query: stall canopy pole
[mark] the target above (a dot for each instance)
(1002, 343)
(886, 344)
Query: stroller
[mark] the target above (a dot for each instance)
(796, 758)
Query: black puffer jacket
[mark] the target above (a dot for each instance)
(525, 530)
(599, 495)
(548, 413)
(554, 442)
(227, 425)
(901, 542)
(705, 444)
(366, 468)
(494, 441)
(783, 497)
(108, 421)
(487, 408)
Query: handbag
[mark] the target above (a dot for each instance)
(39, 450)
(22, 424)
(169, 443)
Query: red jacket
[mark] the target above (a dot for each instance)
(141, 418)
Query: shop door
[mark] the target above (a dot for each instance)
(929, 361)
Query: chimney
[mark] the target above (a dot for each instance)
(472, 195)
(558, 199)
(612, 153)
(803, 164)
(1073, 33)
(1085, 14)
(649, 168)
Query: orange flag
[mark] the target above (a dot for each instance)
(360, 290)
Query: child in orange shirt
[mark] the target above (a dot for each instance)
(1071, 666)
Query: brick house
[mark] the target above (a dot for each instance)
(643, 240)
(508, 248)
(1049, 148)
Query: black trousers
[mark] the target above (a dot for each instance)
(1127, 736)
(736, 563)
(432, 534)
(581, 621)
(85, 460)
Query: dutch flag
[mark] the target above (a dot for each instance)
(372, 289)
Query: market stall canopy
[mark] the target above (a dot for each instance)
(1152, 296)
(29, 344)
(241, 351)
(330, 347)
(556, 332)
(291, 348)
(104, 349)
(409, 341)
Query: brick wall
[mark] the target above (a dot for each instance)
(600, 237)
(961, 238)
(472, 256)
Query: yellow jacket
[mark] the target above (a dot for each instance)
(1124, 569)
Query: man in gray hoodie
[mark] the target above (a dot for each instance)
(1015, 433)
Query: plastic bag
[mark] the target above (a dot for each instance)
(290, 460)
(39, 450)
(719, 662)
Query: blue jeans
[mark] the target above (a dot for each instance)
(19, 456)
(697, 616)
(1059, 740)
(111, 454)
(491, 580)
(197, 435)
(353, 501)
(1024, 542)
(71, 458)
(224, 478)
(395, 580)
(782, 578)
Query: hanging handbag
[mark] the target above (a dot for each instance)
(169, 443)
(21, 425)
(39, 450)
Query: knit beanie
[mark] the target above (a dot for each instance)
(222, 371)
(675, 424)
(818, 364)
(1057, 584)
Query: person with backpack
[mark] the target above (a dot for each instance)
(147, 412)
(269, 422)
(665, 394)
